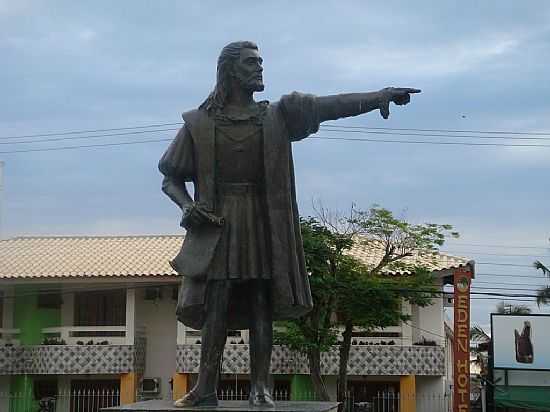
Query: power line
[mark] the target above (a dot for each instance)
(499, 245)
(427, 142)
(494, 254)
(53, 149)
(508, 276)
(503, 264)
(504, 299)
(499, 288)
(329, 125)
(475, 281)
(78, 137)
(312, 137)
(74, 132)
(56, 139)
(452, 136)
(424, 330)
(443, 130)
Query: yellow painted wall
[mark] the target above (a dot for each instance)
(128, 388)
(407, 393)
(180, 385)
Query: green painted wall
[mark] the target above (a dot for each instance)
(21, 387)
(301, 388)
(30, 320)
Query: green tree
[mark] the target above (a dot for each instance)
(349, 295)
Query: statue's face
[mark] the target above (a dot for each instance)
(248, 70)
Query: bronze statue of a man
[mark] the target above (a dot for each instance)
(242, 259)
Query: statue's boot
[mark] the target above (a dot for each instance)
(213, 336)
(204, 392)
(261, 343)
(261, 398)
(192, 399)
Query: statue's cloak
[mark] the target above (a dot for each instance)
(191, 158)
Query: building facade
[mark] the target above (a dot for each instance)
(87, 315)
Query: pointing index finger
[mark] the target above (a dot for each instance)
(411, 90)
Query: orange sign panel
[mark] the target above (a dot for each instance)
(461, 346)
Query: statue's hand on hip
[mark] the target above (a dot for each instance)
(196, 215)
(398, 95)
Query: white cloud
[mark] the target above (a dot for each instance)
(421, 61)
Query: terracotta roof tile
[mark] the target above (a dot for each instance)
(114, 256)
(42, 257)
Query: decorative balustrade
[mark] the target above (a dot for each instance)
(364, 360)
(78, 350)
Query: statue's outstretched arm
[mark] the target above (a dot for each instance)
(353, 104)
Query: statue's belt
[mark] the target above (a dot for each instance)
(237, 188)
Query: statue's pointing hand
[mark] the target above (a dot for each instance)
(398, 95)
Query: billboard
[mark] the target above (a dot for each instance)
(462, 281)
(521, 341)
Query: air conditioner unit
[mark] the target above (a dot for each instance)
(150, 386)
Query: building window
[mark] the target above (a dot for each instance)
(101, 308)
(49, 300)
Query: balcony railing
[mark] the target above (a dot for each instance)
(364, 360)
(80, 335)
(78, 350)
(392, 335)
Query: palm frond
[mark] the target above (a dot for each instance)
(543, 296)
(540, 266)
(477, 333)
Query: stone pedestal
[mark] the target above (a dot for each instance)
(226, 406)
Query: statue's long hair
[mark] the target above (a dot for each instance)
(217, 98)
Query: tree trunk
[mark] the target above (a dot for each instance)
(314, 358)
(343, 366)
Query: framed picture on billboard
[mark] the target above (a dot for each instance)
(521, 341)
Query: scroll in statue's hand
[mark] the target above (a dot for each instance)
(398, 95)
(196, 215)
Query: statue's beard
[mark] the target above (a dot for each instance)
(259, 86)
(251, 83)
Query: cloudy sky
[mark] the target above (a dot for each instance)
(97, 65)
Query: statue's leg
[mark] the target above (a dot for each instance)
(261, 343)
(213, 337)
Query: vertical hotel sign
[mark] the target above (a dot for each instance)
(461, 345)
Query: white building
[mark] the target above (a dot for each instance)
(98, 313)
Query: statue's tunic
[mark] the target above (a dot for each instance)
(192, 157)
(242, 251)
